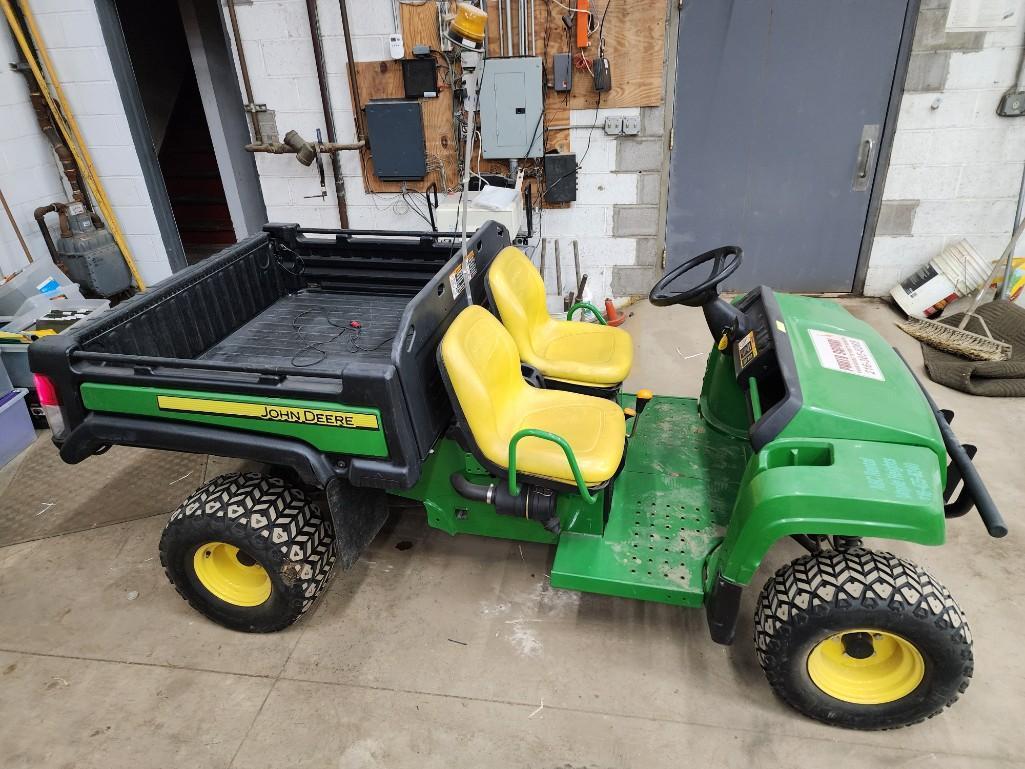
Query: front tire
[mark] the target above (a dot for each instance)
(862, 639)
(248, 551)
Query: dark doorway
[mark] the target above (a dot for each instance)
(779, 112)
(178, 128)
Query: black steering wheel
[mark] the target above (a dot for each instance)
(725, 261)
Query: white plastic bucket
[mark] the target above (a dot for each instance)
(957, 271)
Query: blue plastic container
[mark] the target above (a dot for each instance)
(16, 431)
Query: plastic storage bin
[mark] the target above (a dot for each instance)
(5, 380)
(41, 278)
(15, 356)
(16, 431)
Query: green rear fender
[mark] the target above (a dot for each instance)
(844, 487)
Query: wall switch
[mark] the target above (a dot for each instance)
(613, 125)
(631, 126)
(395, 47)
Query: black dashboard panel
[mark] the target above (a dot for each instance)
(763, 358)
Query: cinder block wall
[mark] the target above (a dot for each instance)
(29, 173)
(71, 32)
(956, 166)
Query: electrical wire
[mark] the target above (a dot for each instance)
(350, 329)
(545, 186)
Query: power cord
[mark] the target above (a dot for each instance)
(345, 327)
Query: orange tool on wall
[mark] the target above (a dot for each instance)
(583, 23)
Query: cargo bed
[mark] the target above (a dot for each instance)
(342, 323)
(315, 331)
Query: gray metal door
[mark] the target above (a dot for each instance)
(779, 105)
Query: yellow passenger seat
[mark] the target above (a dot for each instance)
(579, 353)
(482, 368)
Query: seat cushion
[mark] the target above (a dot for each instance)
(585, 353)
(594, 428)
(482, 366)
(582, 352)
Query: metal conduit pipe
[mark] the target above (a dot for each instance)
(508, 28)
(246, 82)
(501, 28)
(329, 118)
(357, 111)
(533, 31)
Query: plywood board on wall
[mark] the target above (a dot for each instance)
(634, 44)
(383, 80)
(635, 35)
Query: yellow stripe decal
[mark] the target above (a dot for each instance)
(270, 413)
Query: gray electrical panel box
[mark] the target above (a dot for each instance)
(395, 129)
(511, 108)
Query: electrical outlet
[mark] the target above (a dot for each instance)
(1012, 104)
(613, 125)
(631, 126)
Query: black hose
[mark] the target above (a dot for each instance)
(471, 490)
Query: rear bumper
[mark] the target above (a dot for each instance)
(98, 431)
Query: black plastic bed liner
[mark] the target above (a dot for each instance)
(315, 331)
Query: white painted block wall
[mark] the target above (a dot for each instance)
(29, 173)
(953, 156)
(956, 157)
(71, 32)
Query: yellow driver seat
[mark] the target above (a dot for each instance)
(580, 353)
(482, 366)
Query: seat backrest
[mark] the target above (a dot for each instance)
(519, 295)
(482, 366)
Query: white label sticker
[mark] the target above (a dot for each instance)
(845, 353)
(456, 276)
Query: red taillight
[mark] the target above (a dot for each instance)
(48, 399)
(45, 390)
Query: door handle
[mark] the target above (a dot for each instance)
(864, 156)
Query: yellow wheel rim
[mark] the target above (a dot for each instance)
(231, 575)
(866, 667)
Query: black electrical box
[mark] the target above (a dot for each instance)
(395, 130)
(560, 178)
(602, 74)
(562, 72)
(420, 78)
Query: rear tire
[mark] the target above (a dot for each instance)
(862, 639)
(248, 551)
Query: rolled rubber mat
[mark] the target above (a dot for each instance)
(997, 379)
(47, 497)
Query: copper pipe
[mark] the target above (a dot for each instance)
(246, 82)
(329, 117)
(46, 125)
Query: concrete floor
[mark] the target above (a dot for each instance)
(441, 655)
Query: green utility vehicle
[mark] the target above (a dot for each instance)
(359, 365)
